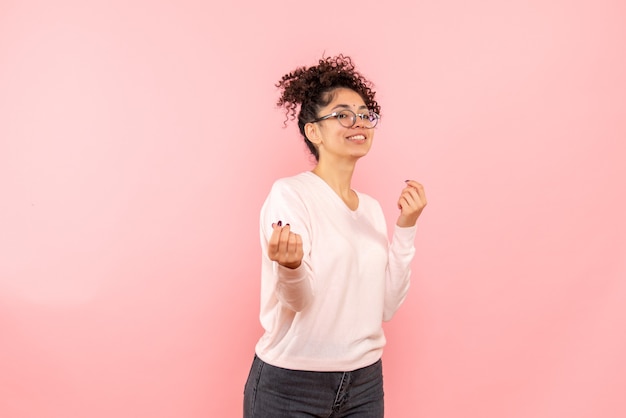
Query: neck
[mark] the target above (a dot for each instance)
(338, 175)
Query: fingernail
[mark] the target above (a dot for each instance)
(406, 181)
(273, 224)
(280, 223)
(286, 224)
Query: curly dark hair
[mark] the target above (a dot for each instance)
(310, 89)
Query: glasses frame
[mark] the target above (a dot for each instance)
(362, 116)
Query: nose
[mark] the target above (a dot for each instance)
(358, 121)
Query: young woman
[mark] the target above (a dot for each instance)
(329, 275)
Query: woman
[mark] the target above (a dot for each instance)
(329, 276)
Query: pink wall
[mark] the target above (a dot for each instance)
(138, 141)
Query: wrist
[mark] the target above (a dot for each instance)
(291, 266)
(406, 221)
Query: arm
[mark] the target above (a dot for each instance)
(293, 285)
(401, 251)
(286, 246)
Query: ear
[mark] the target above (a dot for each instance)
(312, 133)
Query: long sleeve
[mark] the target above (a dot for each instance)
(398, 274)
(291, 287)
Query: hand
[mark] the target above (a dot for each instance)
(411, 203)
(285, 247)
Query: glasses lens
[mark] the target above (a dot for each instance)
(370, 119)
(347, 118)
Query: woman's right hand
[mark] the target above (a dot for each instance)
(285, 247)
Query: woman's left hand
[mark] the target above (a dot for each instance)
(411, 203)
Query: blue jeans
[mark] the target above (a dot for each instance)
(274, 392)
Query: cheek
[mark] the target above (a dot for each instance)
(333, 132)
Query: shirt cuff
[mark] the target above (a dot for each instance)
(404, 237)
(291, 275)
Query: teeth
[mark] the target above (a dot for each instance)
(357, 137)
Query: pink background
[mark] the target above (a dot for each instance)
(138, 140)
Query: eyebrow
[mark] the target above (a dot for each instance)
(345, 106)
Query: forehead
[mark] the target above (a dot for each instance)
(346, 97)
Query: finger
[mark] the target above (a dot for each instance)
(419, 188)
(402, 201)
(272, 244)
(418, 193)
(283, 239)
(411, 201)
(290, 252)
(298, 252)
(413, 183)
(299, 245)
(404, 198)
(406, 203)
(410, 194)
(292, 245)
(412, 187)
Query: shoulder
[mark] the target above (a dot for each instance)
(305, 177)
(289, 200)
(295, 183)
(295, 187)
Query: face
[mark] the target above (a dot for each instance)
(336, 141)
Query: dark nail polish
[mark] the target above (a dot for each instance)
(280, 223)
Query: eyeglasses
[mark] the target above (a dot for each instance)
(348, 118)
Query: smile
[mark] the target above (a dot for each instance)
(359, 137)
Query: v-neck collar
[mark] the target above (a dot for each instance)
(336, 197)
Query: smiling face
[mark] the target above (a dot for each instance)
(335, 141)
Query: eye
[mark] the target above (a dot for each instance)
(343, 115)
